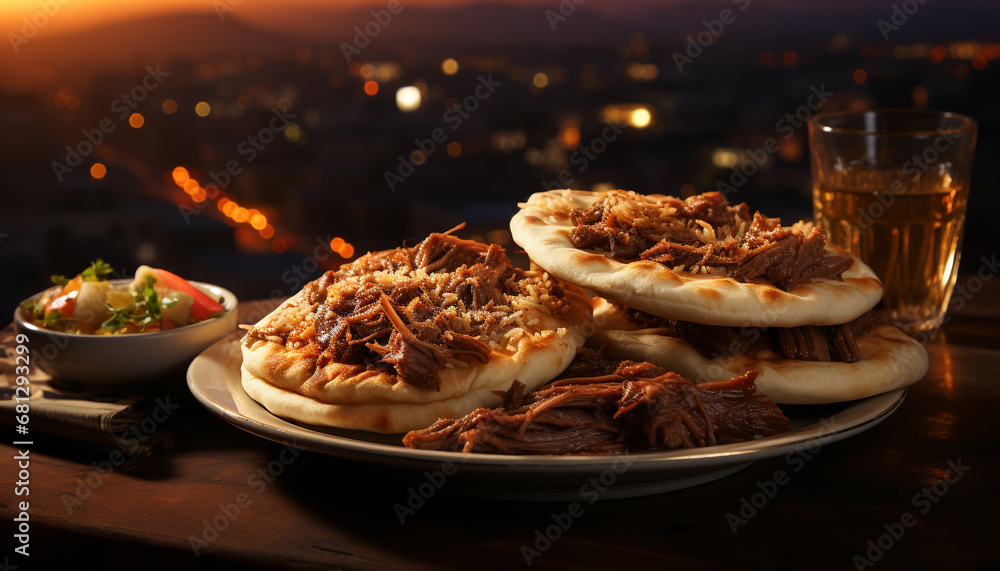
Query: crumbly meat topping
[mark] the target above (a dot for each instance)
(443, 303)
(706, 235)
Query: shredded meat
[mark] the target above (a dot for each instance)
(706, 235)
(808, 342)
(455, 293)
(610, 407)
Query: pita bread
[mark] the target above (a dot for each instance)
(543, 229)
(889, 360)
(536, 344)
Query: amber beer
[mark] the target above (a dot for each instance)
(898, 206)
(912, 241)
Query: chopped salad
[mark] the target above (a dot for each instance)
(88, 303)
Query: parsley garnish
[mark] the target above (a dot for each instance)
(96, 272)
(143, 311)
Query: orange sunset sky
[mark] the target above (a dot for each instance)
(78, 14)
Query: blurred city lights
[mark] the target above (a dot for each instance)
(725, 158)
(635, 115)
(570, 138)
(180, 175)
(642, 71)
(408, 98)
(449, 66)
(641, 118)
(292, 132)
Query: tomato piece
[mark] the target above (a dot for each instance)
(65, 304)
(73, 284)
(166, 324)
(203, 307)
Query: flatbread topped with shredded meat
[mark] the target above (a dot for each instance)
(701, 259)
(400, 338)
(799, 365)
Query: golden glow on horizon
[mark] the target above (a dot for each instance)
(77, 15)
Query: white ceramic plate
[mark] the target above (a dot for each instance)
(214, 378)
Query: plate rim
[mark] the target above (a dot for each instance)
(200, 382)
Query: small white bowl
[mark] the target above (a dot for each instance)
(120, 360)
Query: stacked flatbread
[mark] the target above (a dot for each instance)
(400, 338)
(701, 287)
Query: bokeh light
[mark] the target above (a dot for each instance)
(408, 98)
(449, 66)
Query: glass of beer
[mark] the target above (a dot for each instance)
(891, 187)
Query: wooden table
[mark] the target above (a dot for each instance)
(917, 491)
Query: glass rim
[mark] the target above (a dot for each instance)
(966, 124)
